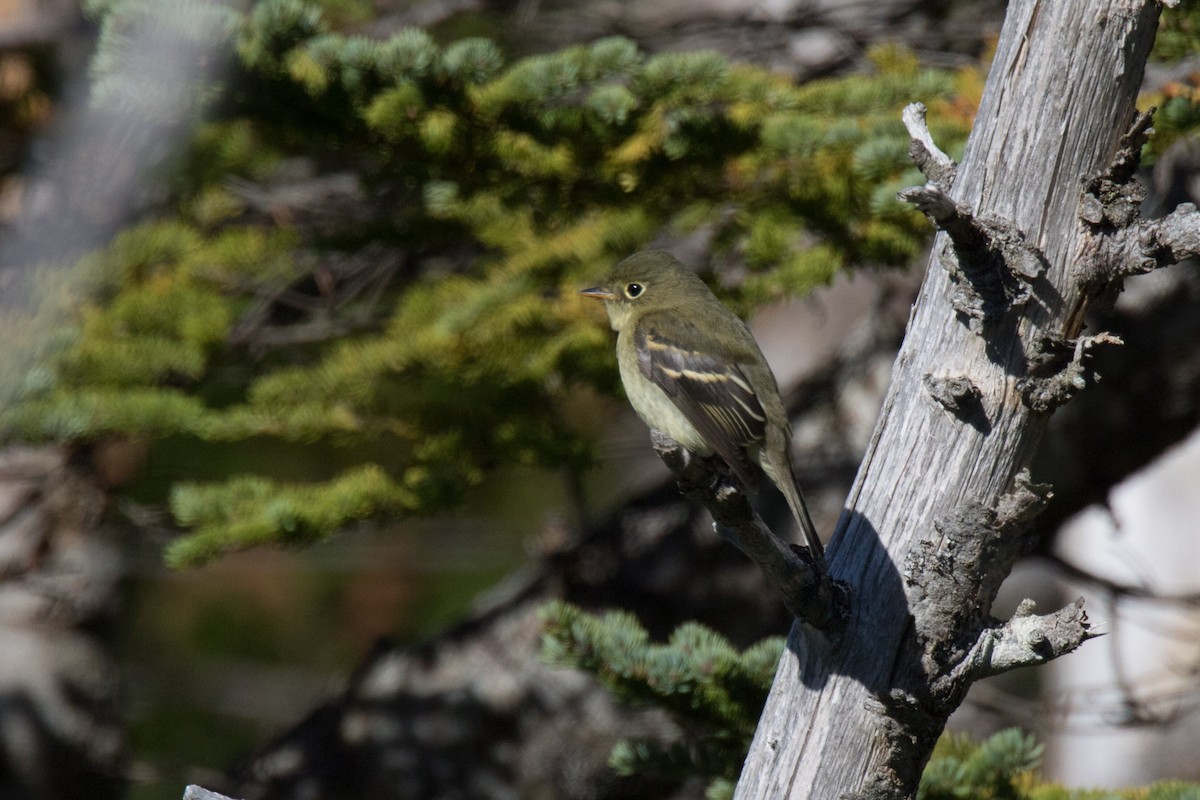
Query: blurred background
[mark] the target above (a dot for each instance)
(303, 420)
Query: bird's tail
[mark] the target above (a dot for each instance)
(795, 501)
(776, 462)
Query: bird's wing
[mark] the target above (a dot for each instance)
(709, 388)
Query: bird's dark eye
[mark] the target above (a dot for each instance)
(633, 290)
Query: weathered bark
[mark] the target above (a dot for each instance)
(939, 512)
(200, 793)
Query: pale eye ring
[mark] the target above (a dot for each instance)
(634, 290)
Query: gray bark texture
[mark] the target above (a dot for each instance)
(1039, 220)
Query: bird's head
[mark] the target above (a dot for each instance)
(649, 281)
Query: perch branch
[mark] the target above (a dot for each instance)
(800, 579)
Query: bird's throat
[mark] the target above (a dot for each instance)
(618, 314)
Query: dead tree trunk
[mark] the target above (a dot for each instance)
(1040, 219)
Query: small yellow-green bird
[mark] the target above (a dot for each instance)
(692, 370)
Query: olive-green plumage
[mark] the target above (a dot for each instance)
(693, 370)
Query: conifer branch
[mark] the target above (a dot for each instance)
(801, 580)
(384, 339)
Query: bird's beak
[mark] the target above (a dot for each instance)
(599, 293)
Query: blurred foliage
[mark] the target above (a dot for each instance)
(28, 82)
(716, 694)
(1004, 767)
(1178, 32)
(491, 192)
(423, 324)
(991, 770)
(1178, 102)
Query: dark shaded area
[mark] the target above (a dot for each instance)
(1146, 396)
(474, 714)
(61, 734)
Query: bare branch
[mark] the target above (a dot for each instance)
(1025, 640)
(1145, 246)
(348, 292)
(1174, 237)
(1128, 157)
(801, 580)
(1112, 199)
(194, 792)
(953, 579)
(1076, 574)
(1124, 244)
(933, 201)
(934, 164)
(1051, 383)
(993, 264)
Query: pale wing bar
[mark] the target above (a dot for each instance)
(713, 395)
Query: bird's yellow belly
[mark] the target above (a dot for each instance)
(655, 408)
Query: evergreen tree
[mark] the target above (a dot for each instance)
(716, 693)
(432, 332)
